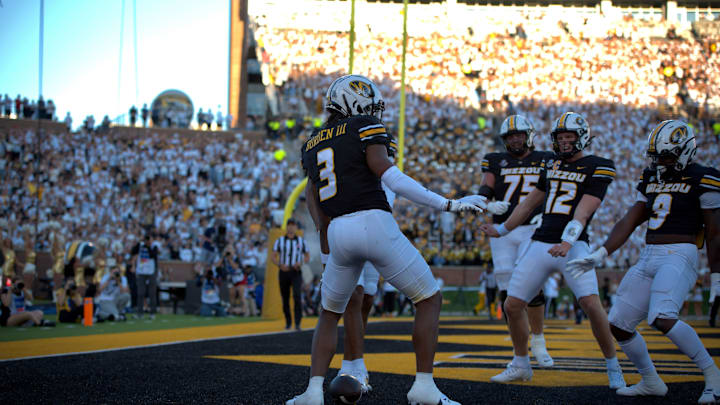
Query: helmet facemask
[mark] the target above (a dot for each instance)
(517, 151)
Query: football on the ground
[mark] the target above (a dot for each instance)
(345, 389)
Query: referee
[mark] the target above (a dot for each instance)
(289, 253)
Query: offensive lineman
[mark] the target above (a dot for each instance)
(509, 178)
(345, 161)
(677, 198)
(572, 186)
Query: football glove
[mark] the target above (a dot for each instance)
(498, 207)
(578, 267)
(536, 220)
(467, 204)
(476, 200)
(714, 286)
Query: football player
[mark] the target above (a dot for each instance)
(509, 177)
(356, 314)
(677, 198)
(345, 161)
(571, 188)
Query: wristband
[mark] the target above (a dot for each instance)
(324, 258)
(572, 232)
(502, 230)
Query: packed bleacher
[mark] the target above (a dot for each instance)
(623, 75)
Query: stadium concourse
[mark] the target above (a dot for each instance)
(252, 363)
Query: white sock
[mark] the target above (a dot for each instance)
(535, 337)
(359, 365)
(613, 363)
(687, 340)
(636, 350)
(521, 361)
(346, 366)
(712, 377)
(316, 383)
(424, 379)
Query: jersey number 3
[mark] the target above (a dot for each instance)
(326, 157)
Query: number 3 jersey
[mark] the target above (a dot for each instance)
(514, 178)
(334, 160)
(565, 184)
(674, 204)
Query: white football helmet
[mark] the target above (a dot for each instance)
(571, 122)
(671, 138)
(354, 95)
(518, 124)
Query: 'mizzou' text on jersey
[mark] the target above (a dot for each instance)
(520, 170)
(325, 134)
(563, 175)
(667, 188)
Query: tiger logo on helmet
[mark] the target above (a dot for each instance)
(354, 95)
(671, 138)
(571, 122)
(517, 124)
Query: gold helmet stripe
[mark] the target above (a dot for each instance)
(511, 124)
(563, 118)
(653, 136)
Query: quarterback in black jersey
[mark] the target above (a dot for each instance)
(345, 161)
(508, 178)
(680, 200)
(570, 188)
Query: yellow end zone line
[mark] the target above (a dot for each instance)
(67, 346)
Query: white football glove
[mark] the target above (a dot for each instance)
(498, 207)
(714, 286)
(578, 267)
(476, 200)
(466, 204)
(536, 220)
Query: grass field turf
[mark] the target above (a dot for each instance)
(270, 367)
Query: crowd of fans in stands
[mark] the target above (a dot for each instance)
(460, 87)
(95, 185)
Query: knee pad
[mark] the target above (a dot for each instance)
(538, 300)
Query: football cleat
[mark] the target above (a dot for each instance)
(615, 379)
(540, 353)
(425, 395)
(513, 373)
(647, 386)
(308, 398)
(709, 396)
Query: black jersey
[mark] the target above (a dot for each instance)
(565, 184)
(334, 160)
(674, 205)
(514, 178)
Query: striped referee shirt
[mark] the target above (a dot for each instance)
(291, 250)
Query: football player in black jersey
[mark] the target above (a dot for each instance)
(571, 188)
(677, 198)
(508, 178)
(345, 161)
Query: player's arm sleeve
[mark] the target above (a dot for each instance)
(602, 176)
(488, 167)
(276, 245)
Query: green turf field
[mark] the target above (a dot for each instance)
(161, 322)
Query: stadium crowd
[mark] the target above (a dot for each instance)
(460, 87)
(188, 191)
